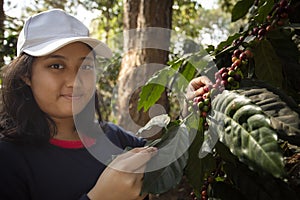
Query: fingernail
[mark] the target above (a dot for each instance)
(153, 149)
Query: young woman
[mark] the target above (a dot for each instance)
(46, 90)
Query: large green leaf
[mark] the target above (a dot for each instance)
(165, 170)
(267, 64)
(246, 131)
(280, 108)
(240, 9)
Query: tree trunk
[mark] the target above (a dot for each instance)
(145, 52)
(2, 18)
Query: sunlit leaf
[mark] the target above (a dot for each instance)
(243, 127)
(153, 89)
(157, 84)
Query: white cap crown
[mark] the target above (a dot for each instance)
(48, 31)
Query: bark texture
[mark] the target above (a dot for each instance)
(145, 52)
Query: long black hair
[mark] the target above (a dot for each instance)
(21, 119)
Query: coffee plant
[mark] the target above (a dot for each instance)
(244, 129)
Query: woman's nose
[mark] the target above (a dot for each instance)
(73, 79)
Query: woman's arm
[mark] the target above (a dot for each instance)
(123, 178)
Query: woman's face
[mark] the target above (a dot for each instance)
(63, 78)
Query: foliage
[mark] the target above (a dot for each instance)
(107, 73)
(12, 28)
(248, 134)
(38, 6)
(108, 25)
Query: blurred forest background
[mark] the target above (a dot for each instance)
(197, 22)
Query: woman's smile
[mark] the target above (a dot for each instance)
(72, 97)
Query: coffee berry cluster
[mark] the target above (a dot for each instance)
(229, 77)
(226, 78)
(277, 17)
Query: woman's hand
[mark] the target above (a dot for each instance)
(123, 178)
(197, 86)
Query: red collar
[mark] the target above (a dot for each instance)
(73, 144)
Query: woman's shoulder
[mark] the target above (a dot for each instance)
(11, 153)
(120, 136)
(6, 146)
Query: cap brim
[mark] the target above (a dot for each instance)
(49, 47)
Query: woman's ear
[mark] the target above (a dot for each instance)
(26, 80)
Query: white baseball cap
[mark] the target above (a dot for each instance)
(51, 30)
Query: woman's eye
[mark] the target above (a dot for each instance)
(87, 67)
(56, 66)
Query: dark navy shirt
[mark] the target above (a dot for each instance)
(50, 172)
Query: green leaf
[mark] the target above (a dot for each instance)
(153, 89)
(225, 153)
(150, 95)
(280, 108)
(210, 140)
(246, 131)
(228, 42)
(196, 168)
(284, 45)
(165, 170)
(264, 10)
(192, 64)
(240, 9)
(156, 85)
(188, 73)
(154, 125)
(267, 64)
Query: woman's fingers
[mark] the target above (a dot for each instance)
(123, 178)
(134, 160)
(196, 87)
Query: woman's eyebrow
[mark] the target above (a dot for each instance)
(55, 56)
